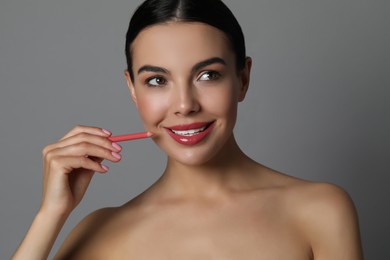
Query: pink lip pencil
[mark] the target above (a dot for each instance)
(127, 137)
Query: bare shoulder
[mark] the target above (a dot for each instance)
(322, 214)
(315, 196)
(85, 234)
(321, 202)
(103, 233)
(310, 196)
(326, 216)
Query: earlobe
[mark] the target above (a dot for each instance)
(130, 85)
(245, 78)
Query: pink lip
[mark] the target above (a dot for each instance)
(190, 140)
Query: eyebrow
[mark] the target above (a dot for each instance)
(196, 67)
(150, 68)
(207, 62)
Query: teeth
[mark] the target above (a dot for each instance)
(189, 132)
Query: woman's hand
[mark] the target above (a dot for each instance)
(70, 163)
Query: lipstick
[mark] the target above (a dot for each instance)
(127, 137)
(190, 134)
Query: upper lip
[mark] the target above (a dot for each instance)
(190, 126)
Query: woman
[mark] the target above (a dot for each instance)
(187, 72)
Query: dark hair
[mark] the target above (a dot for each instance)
(211, 12)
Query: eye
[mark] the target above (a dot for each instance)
(209, 75)
(156, 81)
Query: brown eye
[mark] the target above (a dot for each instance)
(209, 75)
(156, 81)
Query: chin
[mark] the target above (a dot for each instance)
(198, 155)
(192, 159)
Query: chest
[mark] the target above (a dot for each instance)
(222, 234)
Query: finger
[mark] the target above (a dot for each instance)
(96, 159)
(66, 164)
(69, 163)
(81, 138)
(96, 153)
(87, 129)
(85, 149)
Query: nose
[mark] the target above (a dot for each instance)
(185, 101)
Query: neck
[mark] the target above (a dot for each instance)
(228, 170)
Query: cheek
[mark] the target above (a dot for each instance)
(223, 102)
(151, 109)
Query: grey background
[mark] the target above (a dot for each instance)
(317, 107)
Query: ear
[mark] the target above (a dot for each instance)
(130, 85)
(245, 79)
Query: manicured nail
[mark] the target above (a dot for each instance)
(105, 167)
(117, 146)
(116, 155)
(106, 131)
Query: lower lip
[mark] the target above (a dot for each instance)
(193, 139)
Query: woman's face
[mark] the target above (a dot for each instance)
(186, 88)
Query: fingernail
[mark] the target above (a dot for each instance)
(105, 167)
(116, 155)
(117, 146)
(106, 131)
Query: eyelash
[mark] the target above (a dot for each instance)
(156, 78)
(213, 75)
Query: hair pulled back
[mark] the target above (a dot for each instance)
(211, 12)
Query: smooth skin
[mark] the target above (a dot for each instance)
(212, 201)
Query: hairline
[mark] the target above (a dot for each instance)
(176, 19)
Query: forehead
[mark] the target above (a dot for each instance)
(175, 43)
